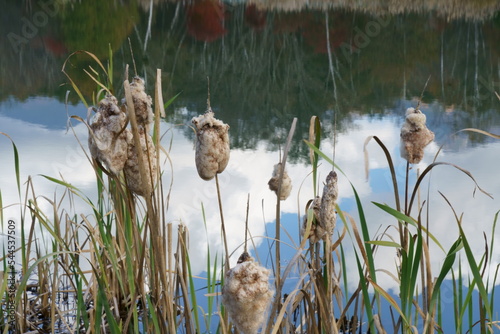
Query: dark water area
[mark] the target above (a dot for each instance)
(266, 65)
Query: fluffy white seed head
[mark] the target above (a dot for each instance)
(246, 295)
(286, 183)
(415, 136)
(415, 118)
(212, 145)
(107, 136)
(142, 103)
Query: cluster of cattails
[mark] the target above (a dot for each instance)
(212, 145)
(246, 294)
(112, 144)
(286, 182)
(324, 214)
(414, 136)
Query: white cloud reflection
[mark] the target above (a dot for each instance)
(50, 152)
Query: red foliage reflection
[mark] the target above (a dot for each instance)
(205, 20)
(255, 17)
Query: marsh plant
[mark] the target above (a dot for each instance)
(286, 182)
(129, 272)
(246, 294)
(414, 136)
(212, 145)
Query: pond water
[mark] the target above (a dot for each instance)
(357, 67)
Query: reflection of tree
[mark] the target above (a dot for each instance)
(205, 20)
(267, 67)
(31, 67)
(260, 81)
(36, 69)
(93, 27)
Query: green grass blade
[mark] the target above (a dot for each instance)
(402, 217)
(415, 269)
(404, 279)
(153, 314)
(98, 314)
(192, 292)
(445, 269)
(171, 100)
(366, 297)
(324, 156)
(67, 185)
(384, 243)
(81, 310)
(475, 269)
(16, 163)
(110, 67)
(110, 319)
(366, 236)
(315, 136)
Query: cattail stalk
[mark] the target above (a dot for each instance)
(278, 207)
(223, 226)
(159, 279)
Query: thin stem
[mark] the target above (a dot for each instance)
(278, 211)
(405, 238)
(133, 59)
(278, 230)
(226, 266)
(246, 224)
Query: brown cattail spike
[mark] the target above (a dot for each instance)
(246, 294)
(212, 145)
(244, 257)
(414, 136)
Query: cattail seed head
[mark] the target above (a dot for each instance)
(414, 136)
(135, 182)
(286, 183)
(317, 232)
(212, 145)
(246, 295)
(107, 136)
(142, 103)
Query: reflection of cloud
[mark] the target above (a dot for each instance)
(49, 152)
(41, 152)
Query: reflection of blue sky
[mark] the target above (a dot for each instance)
(40, 110)
(50, 150)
